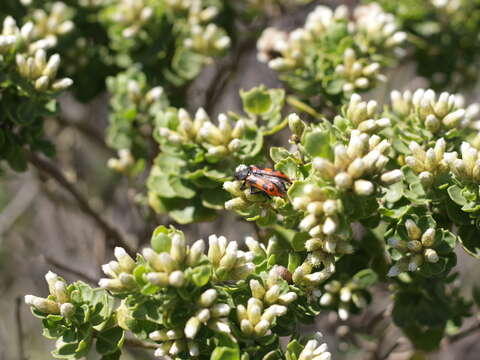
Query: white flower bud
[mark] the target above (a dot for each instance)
(392, 177)
(176, 278)
(207, 298)
(363, 187)
(431, 256)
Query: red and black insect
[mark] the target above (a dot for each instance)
(270, 182)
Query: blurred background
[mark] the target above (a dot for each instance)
(43, 228)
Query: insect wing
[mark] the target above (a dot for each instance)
(270, 173)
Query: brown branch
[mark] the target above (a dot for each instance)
(132, 342)
(87, 131)
(18, 319)
(70, 270)
(464, 333)
(112, 235)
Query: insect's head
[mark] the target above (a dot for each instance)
(241, 172)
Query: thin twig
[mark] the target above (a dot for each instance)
(70, 270)
(132, 342)
(88, 131)
(463, 334)
(390, 350)
(113, 236)
(18, 319)
(19, 204)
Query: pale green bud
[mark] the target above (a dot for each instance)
(297, 126)
(196, 252)
(271, 296)
(239, 129)
(257, 289)
(111, 284)
(254, 310)
(426, 178)
(246, 327)
(167, 262)
(60, 292)
(262, 327)
(356, 168)
(219, 326)
(453, 119)
(43, 305)
(428, 237)
(241, 312)
(414, 232)
(287, 298)
(127, 264)
(127, 280)
(41, 84)
(324, 167)
(236, 204)
(178, 249)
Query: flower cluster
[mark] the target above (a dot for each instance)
(198, 154)
(429, 164)
(52, 24)
(134, 107)
(41, 72)
(218, 140)
(186, 26)
(439, 116)
(58, 302)
(419, 245)
(168, 267)
(343, 297)
(446, 50)
(119, 272)
(362, 115)
(314, 350)
(467, 168)
(29, 85)
(255, 320)
(310, 60)
(363, 157)
(228, 262)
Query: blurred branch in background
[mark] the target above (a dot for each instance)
(112, 235)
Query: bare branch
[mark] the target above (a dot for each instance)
(113, 236)
(132, 342)
(18, 319)
(70, 270)
(464, 333)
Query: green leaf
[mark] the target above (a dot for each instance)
(110, 340)
(201, 275)
(317, 144)
(227, 349)
(160, 241)
(365, 278)
(456, 195)
(256, 101)
(469, 237)
(278, 153)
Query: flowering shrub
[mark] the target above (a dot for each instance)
(372, 197)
